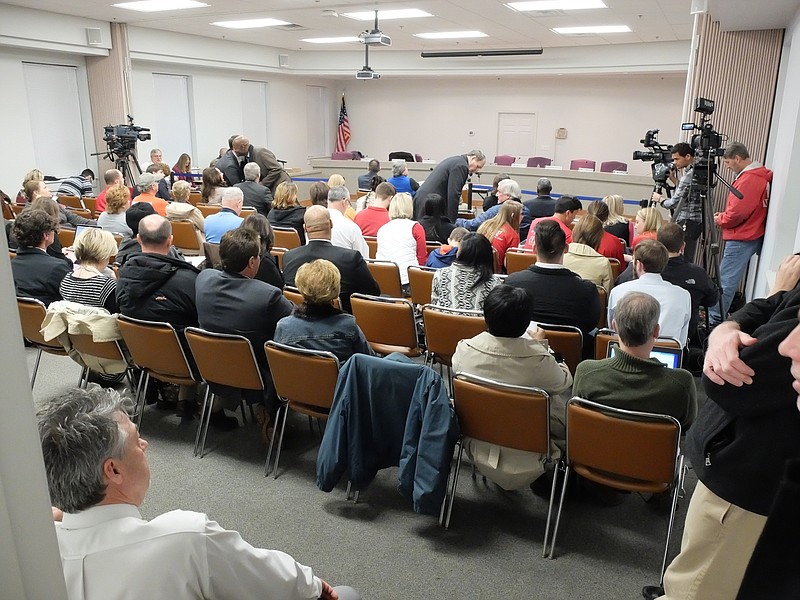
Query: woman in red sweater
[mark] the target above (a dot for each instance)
(502, 230)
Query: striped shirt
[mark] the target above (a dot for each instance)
(99, 291)
(77, 186)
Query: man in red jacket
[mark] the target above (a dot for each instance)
(742, 223)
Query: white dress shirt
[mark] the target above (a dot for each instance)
(110, 553)
(347, 234)
(676, 303)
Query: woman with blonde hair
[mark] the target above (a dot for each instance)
(317, 324)
(90, 283)
(118, 199)
(286, 211)
(402, 240)
(502, 230)
(648, 220)
(181, 210)
(582, 256)
(213, 186)
(32, 175)
(617, 223)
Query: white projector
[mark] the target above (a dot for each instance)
(367, 73)
(375, 38)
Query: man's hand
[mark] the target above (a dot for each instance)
(787, 276)
(537, 334)
(328, 593)
(722, 364)
(716, 217)
(58, 515)
(655, 197)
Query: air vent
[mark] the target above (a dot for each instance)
(546, 13)
(291, 27)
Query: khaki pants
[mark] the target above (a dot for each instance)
(718, 540)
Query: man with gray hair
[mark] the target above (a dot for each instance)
(345, 233)
(507, 189)
(630, 379)
(227, 218)
(255, 194)
(447, 180)
(98, 476)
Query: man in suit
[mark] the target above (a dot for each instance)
(272, 171)
(356, 277)
(447, 179)
(256, 195)
(543, 205)
(233, 161)
(365, 180)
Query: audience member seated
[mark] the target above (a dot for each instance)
(286, 211)
(376, 213)
(617, 223)
(32, 175)
(268, 270)
(610, 245)
(402, 240)
(434, 221)
(365, 179)
(502, 230)
(646, 225)
(78, 185)
(400, 179)
(366, 200)
(318, 193)
(560, 296)
(256, 195)
(148, 185)
(507, 189)
(337, 180)
(465, 284)
(37, 189)
(164, 188)
(91, 283)
(37, 274)
(213, 186)
(631, 379)
(682, 272)
(112, 177)
(117, 200)
(133, 216)
(180, 209)
(566, 210)
(233, 301)
(544, 205)
(445, 255)
(156, 156)
(345, 233)
(649, 259)
(491, 197)
(51, 208)
(317, 324)
(226, 219)
(583, 258)
(182, 169)
(506, 354)
(98, 475)
(352, 267)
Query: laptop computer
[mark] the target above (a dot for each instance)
(670, 357)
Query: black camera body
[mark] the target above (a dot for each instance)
(707, 145)
(121, 139)
(660, 154)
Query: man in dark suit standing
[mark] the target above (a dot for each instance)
(233, 161)
(447, 179)
(272, 171)
(356, 277)
(255, 194)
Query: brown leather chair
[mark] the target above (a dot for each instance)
(293, 294)
(208, 209)
(8, 210)
(431, 246)
(444, 328)
(238, 370)
(211, 252)
(17, 208)
(247, 211)
(566, 340)
(603, 295)
(627, 450)
(372, 244)
(420, 280)
(311, 396)
(387, 323)
(286, 237)
(85, 345)
(66, 237)
(90, 204)
(31, 314)
(184, 237)
(519, 260)
(387, 276)
(156, 349)
(278, 253)
(195, 198)
(70, 202)
(616, 268)
(513, 416)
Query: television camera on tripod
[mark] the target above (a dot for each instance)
(121, 143)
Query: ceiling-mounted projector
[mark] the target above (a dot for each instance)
(375, 38)
(367, 73)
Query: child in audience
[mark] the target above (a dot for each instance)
(444, 255)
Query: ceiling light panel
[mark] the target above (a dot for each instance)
(160, 5)
(546, 5)
(387, 15)
(592, 29)
(332, 40)
(450, 35)
(250, 23)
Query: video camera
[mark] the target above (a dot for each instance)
(707, 145)
(121, 139)
(660, 154)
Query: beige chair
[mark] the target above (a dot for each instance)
(513, 416)
(519, 260)
(312, 396)
(627, 450)
(444, 328)
(208, 209)
(420, 280)
(184, 237)
(387, 323)
(70, 202)
(31, 314)
(66, 237)
(90, 204)
(286, 237)
(567, 340)
(387, 276)
(195, 198)
(278, 254)
(85, 346)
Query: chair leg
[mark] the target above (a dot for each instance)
(455, 483)
(36, 366)
(267, 469)
(83, 382)
(280, 440)
(141, 396)
(244, 411)
(558, 514)
(205, 416)
(559, 467)
(676, 484)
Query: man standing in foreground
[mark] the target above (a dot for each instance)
(98, 475)
(447, 179)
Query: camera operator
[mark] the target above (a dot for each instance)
(690, 216)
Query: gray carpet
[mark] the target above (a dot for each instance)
(492, 549)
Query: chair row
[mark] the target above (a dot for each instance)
(506, 160)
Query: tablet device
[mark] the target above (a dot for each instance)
(670, 357)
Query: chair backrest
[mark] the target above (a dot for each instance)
(431, 246)
(601, 292)
(581, 163)
(615, 268)
(85, 345)
(8, 211)
(286, 237)
(89, 204)
(290, 368)
(238, 370)
(70, 202)
(387, 323)
(387, 276)
(539, 161)
(211, 252)
(406, 156)
(208, 209)
(195, 198)
(567, 340)
(513, 416)
(278, 253)
(613, 165)
(504, 160)
(519, 260)
(418, 158)
(420, 280)
(293, 294)
(184, 236)
(31, 314)
(81, 212)
(444, 328)
(372, 244)
(66, 237)
(629, 450)
(156, 347)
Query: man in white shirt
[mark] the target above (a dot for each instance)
(650, 257)
(98, 475)
(345, 233)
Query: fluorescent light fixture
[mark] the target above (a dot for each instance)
(332, 40)
(450, 35)
(388, 15)
(556, 5)
(592, 29)
(159, 5)
(250, 23)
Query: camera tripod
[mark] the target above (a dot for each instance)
(125, 162)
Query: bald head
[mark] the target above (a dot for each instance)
(241, 145)
(155, 234)
(317, 223)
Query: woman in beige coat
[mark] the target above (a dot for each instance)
(582, 256)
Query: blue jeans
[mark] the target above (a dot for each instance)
(735, 258)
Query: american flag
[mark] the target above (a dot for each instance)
(343, 131)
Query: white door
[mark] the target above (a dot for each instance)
(516, 134)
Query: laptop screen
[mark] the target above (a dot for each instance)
(670, 357)
(79, 229)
